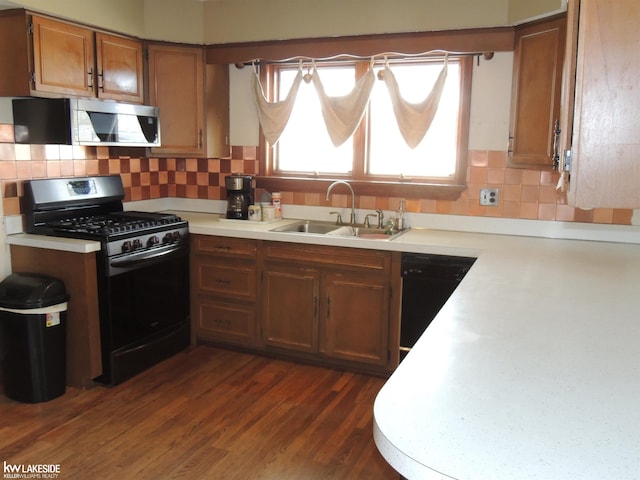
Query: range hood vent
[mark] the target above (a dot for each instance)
(74, 121)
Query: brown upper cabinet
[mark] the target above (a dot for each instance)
(535, 97)
(601, 96)
(120, 68)
(176, 86)
(193, 98)
(48, 57)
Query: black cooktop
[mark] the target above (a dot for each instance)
(110, 224)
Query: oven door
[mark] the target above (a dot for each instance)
(144, 310)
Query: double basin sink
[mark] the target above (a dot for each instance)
(313, 227)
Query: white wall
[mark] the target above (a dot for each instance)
(491, 103)
(124, 16)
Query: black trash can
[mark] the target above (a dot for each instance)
(33, 334)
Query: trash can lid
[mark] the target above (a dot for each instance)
(31, 290)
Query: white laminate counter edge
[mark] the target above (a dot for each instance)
(53, 243)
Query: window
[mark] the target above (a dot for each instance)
(376, 153)
(306, 126)
(436, 155)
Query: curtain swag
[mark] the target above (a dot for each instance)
(273, 116)
(414, 119)
(342, 114)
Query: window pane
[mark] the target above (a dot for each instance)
(436, 155)
(305, 146)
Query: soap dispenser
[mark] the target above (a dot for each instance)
(400, 220)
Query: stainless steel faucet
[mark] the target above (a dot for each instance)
(380, 218)
(353, 199)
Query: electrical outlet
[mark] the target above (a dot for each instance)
(489, 197)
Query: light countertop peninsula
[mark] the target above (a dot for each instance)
(530, 371)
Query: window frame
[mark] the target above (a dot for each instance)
(440, 189)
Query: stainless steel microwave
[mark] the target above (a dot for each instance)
(76, 121)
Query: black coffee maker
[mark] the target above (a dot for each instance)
(239, 195)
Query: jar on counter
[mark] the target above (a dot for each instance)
(276, 200)
(268, 213)
(255, 213)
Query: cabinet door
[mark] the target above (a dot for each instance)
(217, 111)
(15, 55)
(535, 98)
(63, 58)
(355, 322)
(605, 170)
(120, 71)
(290, 307)
(176, 85)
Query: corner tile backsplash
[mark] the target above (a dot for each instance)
(526, 194)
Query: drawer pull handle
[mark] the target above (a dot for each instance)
(223, 281)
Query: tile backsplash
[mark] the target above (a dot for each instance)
(526, 194)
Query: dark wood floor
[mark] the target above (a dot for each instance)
(205, 414)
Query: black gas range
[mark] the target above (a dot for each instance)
(142, 266)
(92, 208)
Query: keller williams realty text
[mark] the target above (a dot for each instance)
(42, 470)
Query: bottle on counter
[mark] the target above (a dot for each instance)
(276, 201)
(400, 220)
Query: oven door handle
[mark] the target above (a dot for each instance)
(136, 259)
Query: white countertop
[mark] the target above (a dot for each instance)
(530, 371)
(53, 243)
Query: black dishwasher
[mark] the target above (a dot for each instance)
(427, 282)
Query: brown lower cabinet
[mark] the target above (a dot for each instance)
(78, 272)
(223, 290)
(333, 306)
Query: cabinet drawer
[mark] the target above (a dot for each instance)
(223, 246)
(324, 255)
(224, 321)
(225, 278)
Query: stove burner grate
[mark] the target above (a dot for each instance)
(110, 224)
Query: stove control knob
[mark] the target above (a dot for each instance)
(152, 241)
(168, 238)
(177, 236)
(126, 246)
(137, 243)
